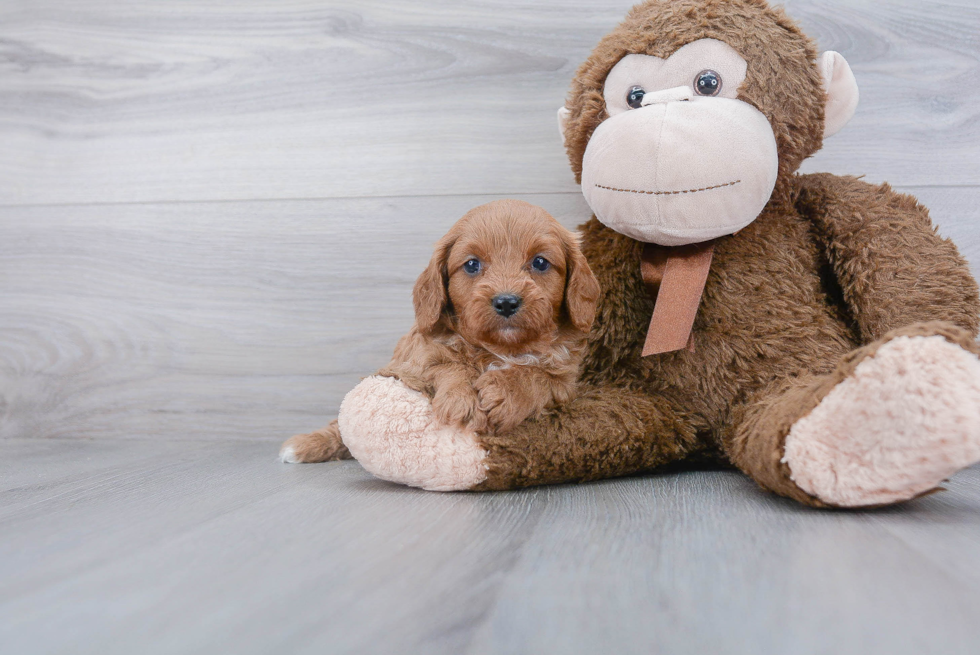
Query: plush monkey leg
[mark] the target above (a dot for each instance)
(320, 446)
(895, 419)
(391, 431)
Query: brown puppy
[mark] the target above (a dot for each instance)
(501, 318)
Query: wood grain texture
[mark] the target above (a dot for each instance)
(110, 101)
(202, 548)
(743, 573)
(229, 320)
(210, 320)
(211, 216)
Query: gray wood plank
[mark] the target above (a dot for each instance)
(941, 537)
(223, 549)
(229, 320)
(177, 341)
(705, 562)
(32, 467)
(228, 550)
(119, 102)
(214, 320)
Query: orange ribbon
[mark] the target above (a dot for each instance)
(675, 278)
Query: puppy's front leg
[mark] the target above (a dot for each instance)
(455, 401)
(508, 396)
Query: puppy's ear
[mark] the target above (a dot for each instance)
(581, 286)
(430, 295)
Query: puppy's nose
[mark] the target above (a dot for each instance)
(506, 304)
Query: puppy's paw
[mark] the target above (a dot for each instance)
(459, 406)
(320, 446)
(504, 401)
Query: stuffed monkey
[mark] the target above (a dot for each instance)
(812, 330)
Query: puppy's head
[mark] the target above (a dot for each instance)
(509, 277)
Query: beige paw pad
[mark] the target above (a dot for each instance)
(392, 432)
(907, 419)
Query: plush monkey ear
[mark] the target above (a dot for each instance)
(842, 91)
(563, 115)
(430, 296)
(581, 286)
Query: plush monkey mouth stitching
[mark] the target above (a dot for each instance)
(670, 193)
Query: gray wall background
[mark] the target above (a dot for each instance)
(211, 213)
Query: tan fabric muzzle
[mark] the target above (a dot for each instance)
(684, 170)
(680, 169)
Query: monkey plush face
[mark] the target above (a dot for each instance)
(680, 159)
(684, 147)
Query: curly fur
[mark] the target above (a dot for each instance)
(484, 372)
(832, 269)
(832, 272)
(780, 58)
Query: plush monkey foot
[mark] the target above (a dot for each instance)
(904, 421)
(391, 430)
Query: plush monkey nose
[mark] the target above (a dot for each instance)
(506, 304)
(676, 94)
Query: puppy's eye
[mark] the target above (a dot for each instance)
(634, 98)
(707, 83)
(540, 264)
(473, 266)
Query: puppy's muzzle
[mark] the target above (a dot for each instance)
(506, 304)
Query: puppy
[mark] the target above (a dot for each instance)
(502, 313)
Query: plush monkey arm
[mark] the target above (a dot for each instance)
(892, 266)
(605, 432)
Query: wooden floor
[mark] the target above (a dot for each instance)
(211, 216)
(115, 546)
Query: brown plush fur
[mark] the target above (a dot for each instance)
(483, 371)
(830, 270)
(782, 80)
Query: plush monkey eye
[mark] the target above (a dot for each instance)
(707, 83)
(473, 266)
(635, 97)
(540, 264)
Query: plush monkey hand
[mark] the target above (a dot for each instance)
(394, 433)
